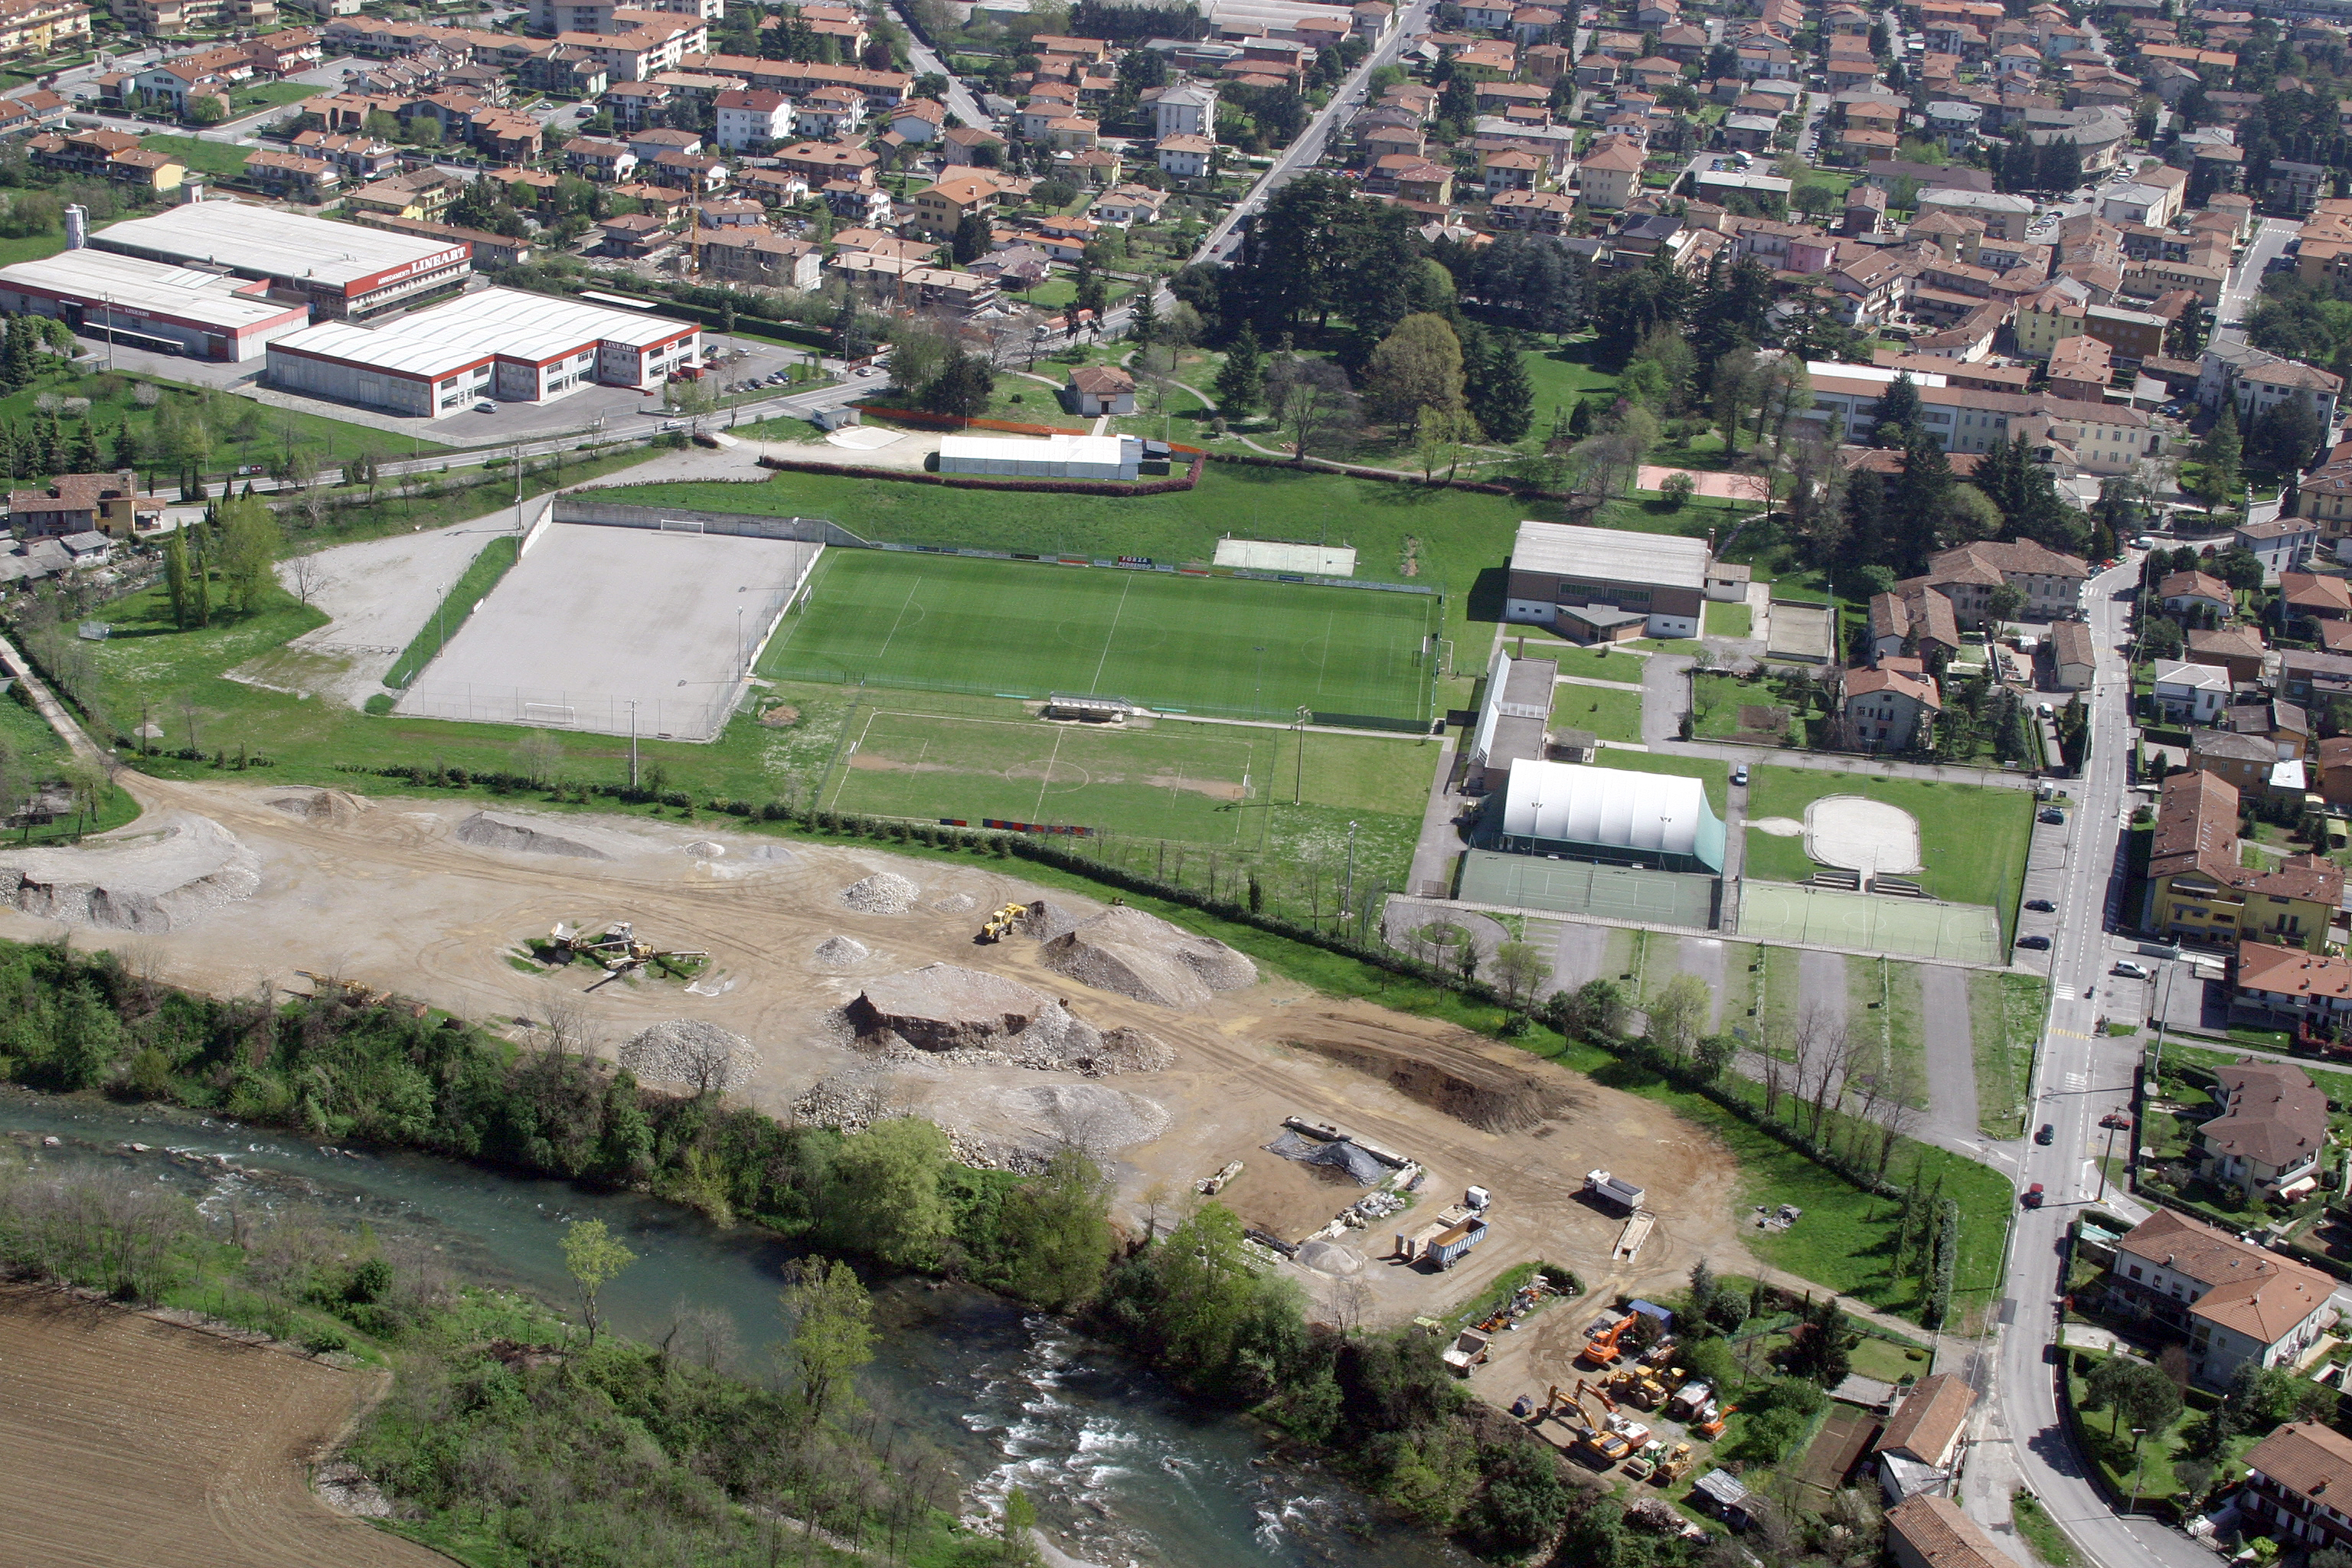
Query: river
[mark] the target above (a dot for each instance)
(1124, 1470)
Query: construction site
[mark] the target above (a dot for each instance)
(846, 984)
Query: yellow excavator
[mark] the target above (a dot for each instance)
(999, 924)
(1594, 1437)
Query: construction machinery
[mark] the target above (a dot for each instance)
(1712, 1427)
(1594, 1437)
(1643, 1465)
(1690, 1399)
(1596, 1391)
(354, 993)
(615, 949)
(999, 925)
(1674, 1465)
(1601, 1348)
(1649, 1389)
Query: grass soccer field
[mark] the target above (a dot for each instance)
(1173, 782)
(1223, 646)
(1872, 922)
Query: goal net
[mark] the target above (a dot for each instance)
(548, 713)
(679, 525)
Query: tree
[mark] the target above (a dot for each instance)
(2218, 456)
(1144, 323)
(1417, 366)
(972, 240)
(962, 387)
(1678, 1014)
(1311, 398)
(832, 1332)
(887, 1182)
(2005, 603)
(1898, 410)
(1054, 1233)
(2284, 438)
(1595, 1010)
(1241, 380)
(1441, 437)
(1502, 398)
(1020, 1527)
(2137, 1391)
(593, 1257)
(175, 577)
(250, 541)
(1520, 970)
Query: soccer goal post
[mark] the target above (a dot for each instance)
(680, 525)
(549, 713)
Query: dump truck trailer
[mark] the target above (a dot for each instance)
(1615, 1190)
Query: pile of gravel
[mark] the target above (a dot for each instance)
(968, 1018)
(494, 830)
(706, 849)
(883, 893)
(1331, 1258)
(1142, 956)
(1047, 920)
(841, 951)
(331, 807)
(956, 904)
(703, 1055)
(154, 880)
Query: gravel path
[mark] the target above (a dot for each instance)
(1703, 956)
(1821, 986)
(1952, 1052)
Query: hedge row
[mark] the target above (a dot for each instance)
(1324, 464)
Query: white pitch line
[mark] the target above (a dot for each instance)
(1038, 810)
(901, 615)
(1096, 685)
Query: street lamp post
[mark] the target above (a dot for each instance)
(2139, 1463)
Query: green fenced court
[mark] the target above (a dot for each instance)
(1870, 922)
(1174, 782)
(1582, 887)
(1228, 647)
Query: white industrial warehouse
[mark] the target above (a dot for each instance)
(150, 304)
(500, 344)
(1054, 458)
(341, 269)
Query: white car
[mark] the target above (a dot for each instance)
(2129, 970)
(484, 405)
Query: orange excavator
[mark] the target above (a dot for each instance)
(1712, 1427)
(1596, 1391)
(1602, 1349)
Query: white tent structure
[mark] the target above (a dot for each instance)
(1612, 816)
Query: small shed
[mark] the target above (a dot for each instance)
(1098, 389)
(835, 418)
(1724, 1495)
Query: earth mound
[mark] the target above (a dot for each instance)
(706, 849)
(521, 836)
(1142, 956)
(161, 880)
(690, 1051)
(328, 808)
(841, 951)
(1047, 920)
(946, 1007)
(1457, 1078)
(883, 893)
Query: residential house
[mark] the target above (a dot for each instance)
(2051, 582)
(2280, 543)
(2257, 382)
(1886, 709)
(2237, 650)
(109, 503)
(2194, 591)
(1188, 109)
(290, 177)
(2074, 660)
(2233, 1302)
(2333, 756)
(1098, 389)
(1611, 177)
(2270, 1128)
(597, 158)
(758, 256)
(2296, 1480)
(1186, 157)
(2190, 693)
(1929, 1531)
(2309, 597)
(2241, 761)
(2198, 892)
(1922, 1439)
(2314, 679)
(753, 122)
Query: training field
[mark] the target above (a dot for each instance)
(1169, 782)
(1580, 887)
(1234, 648)
(593, 619)
(1869, 922)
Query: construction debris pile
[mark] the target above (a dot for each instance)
(328, 807)
(157, 880)
(690, 1051)
(970, 1019)
(883, 893)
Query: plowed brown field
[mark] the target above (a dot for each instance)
(129, 1443)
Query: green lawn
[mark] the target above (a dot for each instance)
(1611, 714)
(1561, 377)
(1972, 838)
(254, 96)
(30, 247)
(1729, 621)
(477, 580)
(1716, 775)
(2005, 1014)
(1593, 663)
(1223, 646)
(221, 158)
(1462, 540)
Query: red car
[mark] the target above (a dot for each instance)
(2115, 1118)
(2032, 1198)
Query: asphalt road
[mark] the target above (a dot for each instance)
(926, 58)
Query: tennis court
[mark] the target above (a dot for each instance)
(1869, 922)
(1224, 645)
(1581, 887)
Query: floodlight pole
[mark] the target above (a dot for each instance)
(633, 743)
(1346, 900)
(1298, 784)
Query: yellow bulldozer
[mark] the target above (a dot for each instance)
(999, 924)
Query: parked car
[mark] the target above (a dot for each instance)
(2046, 1135)
(2129, 969)
(2053, 814)
(2032, 1198)
(1739, 775)
(2039, 943)
(2042, 906)
(484, 405)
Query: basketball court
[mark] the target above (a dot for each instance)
(593, 620)
(1581, 887)
(1869, 922)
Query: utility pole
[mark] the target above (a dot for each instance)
(1299, 729)
(633, 743)
(1348, 899)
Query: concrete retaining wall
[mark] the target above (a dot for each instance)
(812, 530)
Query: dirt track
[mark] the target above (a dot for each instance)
(129, 1443)
(391, 896)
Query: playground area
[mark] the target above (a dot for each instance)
(1580, 887)
(1860, 834)
(607, 629)
(1870, 922)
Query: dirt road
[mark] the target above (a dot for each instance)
(126, 1443)
(390, 895)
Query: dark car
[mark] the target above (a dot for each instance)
(2051, 814)
(2115, 1118)
(2039, 943)
(2047, 1136)
(2044, 905)
(2032, 1198)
